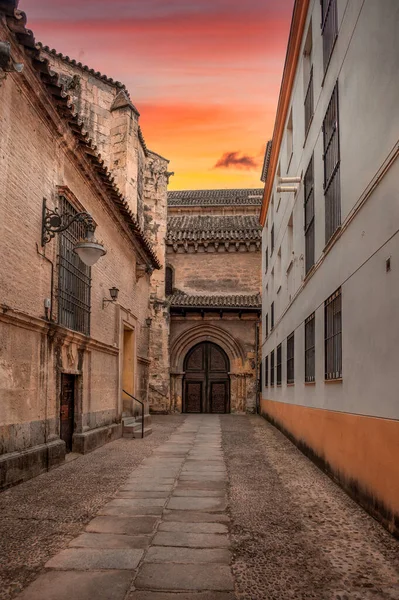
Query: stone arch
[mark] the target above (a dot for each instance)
(206, 333)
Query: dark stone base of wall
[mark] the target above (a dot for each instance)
(352, 487)
(90, 440)
(16, 467)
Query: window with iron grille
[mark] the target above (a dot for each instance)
(267, 371)
(308, 78)
(310, 349)
(266, 260)
(272, 241)
(309, 217)
(331, 157)
(272, 315)
(329, 29)
(272, 367)
(74, 277)
(169, 281)
(267, 325)
(333, 336)
(279, 364)
(290, 358)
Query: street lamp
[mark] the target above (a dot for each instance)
(113, 292)
(88, 249)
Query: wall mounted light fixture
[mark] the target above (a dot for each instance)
(88, 250)
(113, 292)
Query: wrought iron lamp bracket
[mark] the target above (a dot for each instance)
(54, 222)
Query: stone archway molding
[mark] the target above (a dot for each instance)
(206, 333)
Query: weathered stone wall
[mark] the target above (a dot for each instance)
(217, 272)
(37, 155)
(155, 214)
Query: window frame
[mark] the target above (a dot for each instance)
(309, 220)
(332, 163)
(329, 14)
(310, 348)
(333, 337)
(272, 370)
(74, 277)
(272, 316)
(266, 373)
(279, 365)
(291, 358)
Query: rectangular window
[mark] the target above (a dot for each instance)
(309, 217)
(267, 325)
(272, 367)
(290, 140)
(266, 260)
(272, 241)
(333, 336)
(74, 277)
(290, 359)
(279, 364)
(272, 315)
(331, 157)
(308, 79)
(329, 29)
(310, 346)
(267, 371)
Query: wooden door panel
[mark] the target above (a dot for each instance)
(218, 396)
(67, 405)
(193, 396)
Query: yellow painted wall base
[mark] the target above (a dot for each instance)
(361, 453)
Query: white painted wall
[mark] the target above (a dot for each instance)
(364, 61)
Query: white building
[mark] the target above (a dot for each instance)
(330, 348)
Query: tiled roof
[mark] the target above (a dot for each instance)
(76, 63)
(216, 197)
(205, 227)
(266, 161)
(181, 299)
(16, 22)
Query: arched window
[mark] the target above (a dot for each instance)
(169, 281)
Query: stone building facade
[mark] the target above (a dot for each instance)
(71, 136)
(213, 282)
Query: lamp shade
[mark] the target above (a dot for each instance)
(89, 252)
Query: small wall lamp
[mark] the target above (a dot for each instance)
(148, 321)
(88, 250)
(113, 292)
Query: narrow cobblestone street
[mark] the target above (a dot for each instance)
(213, 508)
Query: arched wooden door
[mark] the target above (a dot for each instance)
(206, 380)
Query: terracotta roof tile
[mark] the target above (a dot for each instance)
(206, 227)
(216, 197)
(181, 299)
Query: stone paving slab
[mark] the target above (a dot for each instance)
(189, 516)
(137, 495)
(147, 487)
(136, 502)
(194, 527)
(122, 525)
(209, 504)
(75, 585)
(198, 493)
(141, 595)
(84, 559)
(156, 576)
(191, 540)
(173, 554)
(131, 511)
(108, 540)
(201, 485)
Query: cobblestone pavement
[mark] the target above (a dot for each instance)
(40, 517)
(213, 508)
(295, 534)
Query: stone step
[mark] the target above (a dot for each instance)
(134, 431)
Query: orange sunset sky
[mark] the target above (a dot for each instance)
(204, 74)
